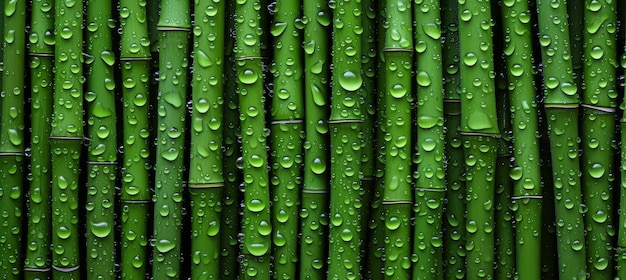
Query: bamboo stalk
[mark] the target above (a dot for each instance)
(135, 196)
(37, 259)
(102, 135)
(598, 132)
(479, 131)
(206, 176)
(287, 129)
(174, 28)
(561, 105)
(315, 188)
(66, 139)
(12, 138)
(256, 223)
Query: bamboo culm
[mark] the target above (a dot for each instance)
(174, 28)
(561, 106)
(37, 260)
(12, 142)
(135, 197)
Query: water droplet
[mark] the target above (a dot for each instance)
(398, 91)
(318, 166)
(393, 223)
(423, 79)
(256, 205)
(63, 232)
(432, 30)
(248, 77)
(256, 160)
(596, 171)
(350, 81)
(101, 229)
(470, 59)
(164, 246)
(577, 245)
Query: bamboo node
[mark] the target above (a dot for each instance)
(344, 121)
(66, 269)
(135, 201)
(599, 108)
(102, 162)
(562, 106)
(206, 186)
(315, 191)
(430, 190)
(69, 138)
(41, 54)
(8, 154)
(450, 100)
(135, 58)
(173, 28)
(398, 50)
(37, 269)
(249, 58)
(497, 136)
(520, 197)
(397, 202)
(287, 121)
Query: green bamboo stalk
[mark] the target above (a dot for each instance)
(479, 130)
(504, 231)
(621, 237)
(429, 148)
(549, 258)
(397, 200)
(376, 225)
(231, 197)
(102, 135)
(576, 21)
(454, 226)
(549, 251)
(287, 128)
(2, 49)
(267, 11)
(12, 138)
(66, 138)
(206, 180)
(621, 13)
(598, 130)
(561, 105)
(454, 212)
(37, 259)
(345, 143)
(173, 26)
(315, 188)
(152, 15)
(368, 105)
(526, 171)
(620, 249)
(503, 219)
(257, 228)
(152, 18)
(135, 194)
